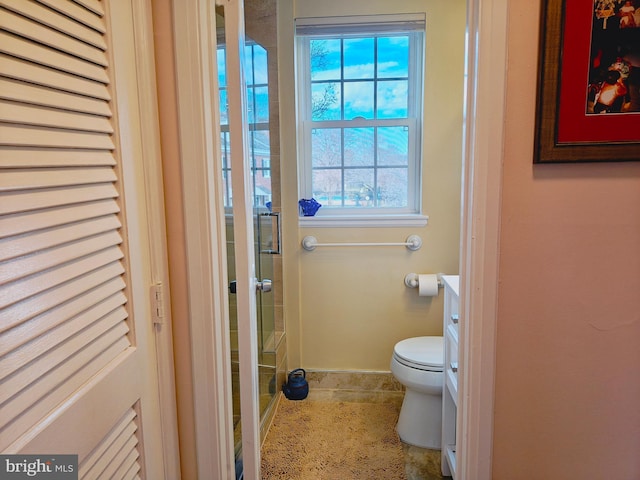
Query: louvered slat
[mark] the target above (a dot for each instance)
(18, 135)
(12, 112)
(26, 330)
(75, 369)
(25, 288)
(42, 157)
(129, 463)
(132, 473)
(33, 52)
(20, 223)
(28, 244)
(14, 417)
(94, 323)
(117, 455)
(56, 396)
(55, 298)
(47, 97)
(130, 460)
(17, 69)
(94, 5)
(45, 35)
(91, 465)
(57, 256)
(43, 15)
(17, 179)
(124, 452)
(44, 394)
(14, 202)
(78, 13)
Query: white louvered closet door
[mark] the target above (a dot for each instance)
(76, 375)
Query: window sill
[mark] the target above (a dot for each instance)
(363, 221)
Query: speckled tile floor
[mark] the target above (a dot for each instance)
(421, 463)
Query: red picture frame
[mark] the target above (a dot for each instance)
(589, 81)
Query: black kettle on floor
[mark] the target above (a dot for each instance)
(296, 388)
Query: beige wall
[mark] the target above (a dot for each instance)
(568, 342)
(347, 307)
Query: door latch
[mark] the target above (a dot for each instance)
(264, 285)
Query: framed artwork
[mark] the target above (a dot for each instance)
(588, 106)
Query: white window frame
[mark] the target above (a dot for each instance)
(332, 27)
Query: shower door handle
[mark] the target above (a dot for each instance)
(275, 233)
(264, 285)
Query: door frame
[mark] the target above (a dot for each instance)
(483, 157)
(483, 151)
(141, 13)
(205, 238)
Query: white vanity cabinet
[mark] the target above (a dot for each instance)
(450, 387)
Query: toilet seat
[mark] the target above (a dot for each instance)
(422, 353)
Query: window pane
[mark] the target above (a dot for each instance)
(325, 101)
(248, 64)
(393, 145)
(226, 168)
(327, 186)
(251, 117)
(224, 138)
(326, 147)
(221, 56)
(358, 58)
(358, 100)
(392, 187)
(260, 70)
(393, 99)
(359, 187)
(393, 57)
(358, 147)
(325, 59)
(224, 110)
(260, 150)
(262, 105)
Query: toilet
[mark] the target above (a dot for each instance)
(417, 363)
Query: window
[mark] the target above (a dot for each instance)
(360, 83)
(257, 82)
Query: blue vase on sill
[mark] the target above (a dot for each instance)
(308, 207)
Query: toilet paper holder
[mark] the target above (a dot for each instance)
(411, 280)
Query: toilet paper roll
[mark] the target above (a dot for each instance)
(428, 285)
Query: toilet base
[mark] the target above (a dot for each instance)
(420, 421)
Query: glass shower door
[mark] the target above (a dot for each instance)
(253, 386)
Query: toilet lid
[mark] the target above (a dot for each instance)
(421, 351)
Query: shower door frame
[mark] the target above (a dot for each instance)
(483, 141)
(243, 237)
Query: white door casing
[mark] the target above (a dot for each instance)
(198, 110)
(485, 67)
(194, 24)
(483, 156)
(79, 241)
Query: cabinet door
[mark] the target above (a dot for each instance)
(450, 390)
(77, 354)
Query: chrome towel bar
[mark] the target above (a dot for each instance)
(413, 243)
